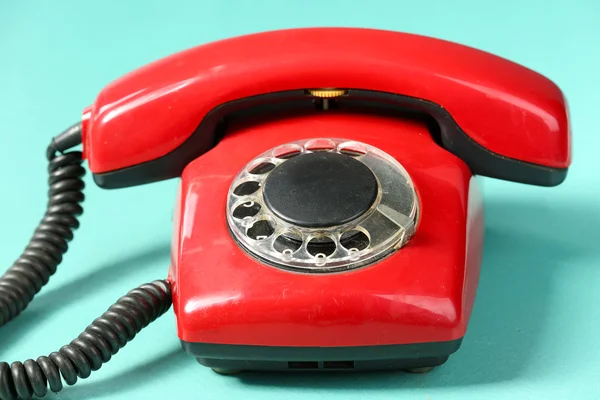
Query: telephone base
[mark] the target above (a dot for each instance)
(232, 359)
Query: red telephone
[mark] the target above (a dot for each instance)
(328, 216)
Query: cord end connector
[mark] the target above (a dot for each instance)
(68, 139)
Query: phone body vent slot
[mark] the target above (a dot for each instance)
(338, 364)
(303, 365)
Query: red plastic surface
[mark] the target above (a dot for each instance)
(503, 106)
(422, 293)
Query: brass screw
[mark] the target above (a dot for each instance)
(327, 93)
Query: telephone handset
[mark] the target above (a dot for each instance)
(502, 119)
(327, 216)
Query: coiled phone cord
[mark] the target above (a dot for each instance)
(32, 270)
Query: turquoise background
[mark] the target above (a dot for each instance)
(536, 323)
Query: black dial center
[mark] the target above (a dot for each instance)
(320, 189)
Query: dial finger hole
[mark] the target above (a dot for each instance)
(261, 168)
(352, 149)
(354, 241)
(260, 230)
(245, 210)
(287, 151)
(321, 245)
(246, 188)
(288, 243)
(320, 145)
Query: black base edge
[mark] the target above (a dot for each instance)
(400, 364)
(236, 358)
